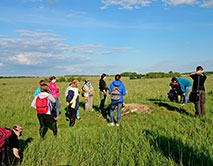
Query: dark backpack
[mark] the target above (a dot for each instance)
(115, 93)
(41, 105)
(4, 136)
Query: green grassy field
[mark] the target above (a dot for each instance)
(170, 135)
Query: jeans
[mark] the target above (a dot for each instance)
(119, 106)
(58, 106)
(186, 93)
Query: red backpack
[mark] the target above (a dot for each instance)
(41, 105)
(4, 135)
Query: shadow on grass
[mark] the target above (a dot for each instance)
(170, 107)
(23, 144)
(181, 153)
(104, 114)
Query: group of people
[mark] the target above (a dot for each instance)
(46, 102)
(181, 87)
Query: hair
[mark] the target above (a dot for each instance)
(52, 78)
(17, 128)
(45, 88)
(86, 80)
(103, 75)
(174, 79)
(199, 68)
(41, 82)
(74, 83)
(117, 77)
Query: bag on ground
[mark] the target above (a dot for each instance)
(115, 93)
(41, 105)
(4, 135)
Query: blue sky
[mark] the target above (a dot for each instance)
(61, 37)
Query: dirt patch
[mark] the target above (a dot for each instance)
(137, 108)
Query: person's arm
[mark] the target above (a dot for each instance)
(16, 153)
(51, 98)
(38, 90)
(124, 90)
(33, 104)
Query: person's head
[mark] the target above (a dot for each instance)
(45, 88)
(117, 77)
(174, 79)
(199, 68)
(74, 83)
(87, 81)
(53, 79)
(41, 82)
(103, 76)
(18, 130)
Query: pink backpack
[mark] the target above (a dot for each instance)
(4, 135)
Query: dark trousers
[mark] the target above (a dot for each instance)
(44, 117)
(102, 104)
(71, 114)
(7, 157)
(200, 104)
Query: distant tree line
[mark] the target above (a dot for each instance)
(162, 75)
(66, 79)
(134, 75)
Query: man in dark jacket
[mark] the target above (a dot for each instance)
(198, 85)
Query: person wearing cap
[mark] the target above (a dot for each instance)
(10, 155)
(88, 94)
(117, 103)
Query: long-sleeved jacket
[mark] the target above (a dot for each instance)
(42, 95)
(54, 90)
(72, 97)
(121, 86)
(183, 84)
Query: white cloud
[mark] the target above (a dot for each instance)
(207, 4)
(126, 4)
(1, 64)
(29, 58)
(180, 2)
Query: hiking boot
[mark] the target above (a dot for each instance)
(79, 119)
(117, 124)
(111, 124)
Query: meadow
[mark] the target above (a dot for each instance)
(169, 136)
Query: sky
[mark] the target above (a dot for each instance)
(91, 37)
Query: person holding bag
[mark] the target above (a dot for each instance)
(198, 91)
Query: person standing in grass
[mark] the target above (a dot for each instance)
(199, 79)
(185, 86)
(117, 91)
(88, 94)
(72, 101)
(103, 92)
(43, 105)
(55, 93)
(9, 155)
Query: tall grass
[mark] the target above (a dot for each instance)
(170, 135)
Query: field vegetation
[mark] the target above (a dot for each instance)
(169, 136)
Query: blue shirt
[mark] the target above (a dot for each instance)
(183, 84)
